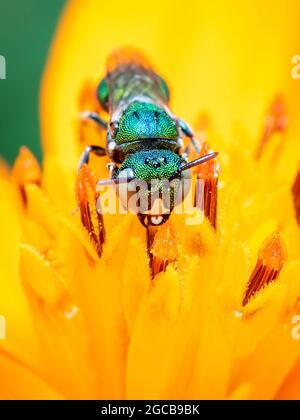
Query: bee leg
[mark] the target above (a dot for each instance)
(90, 115)
(85, 157)
(187, 131)
(112, 168)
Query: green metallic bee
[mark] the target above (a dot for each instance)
(144, 139)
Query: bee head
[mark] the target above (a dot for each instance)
(150, 164)
(150, 172)
(149, 182)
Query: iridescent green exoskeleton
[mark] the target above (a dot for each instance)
(144, 138)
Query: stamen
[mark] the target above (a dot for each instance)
(26, 170)
(208, 173)
(87, 198)
(271, 257)
(164, 250)
(276, 122)
(296, 195)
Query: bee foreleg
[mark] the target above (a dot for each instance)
(90, 115)
(112, 168)
(85, 157)
(187, 131)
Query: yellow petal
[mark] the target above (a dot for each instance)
(21, 341)
(19, 381)
(45, 283)
(109, 328)
(60, 327)
(290, 389)
(135, 286)
(153, 364)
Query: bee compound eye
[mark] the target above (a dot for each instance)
(147, 161)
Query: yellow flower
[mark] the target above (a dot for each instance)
(216, 320)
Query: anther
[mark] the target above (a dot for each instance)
(87, 198)
(164, 249)
(208, 173)
(271, 257)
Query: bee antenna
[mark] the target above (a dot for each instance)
(193, 163)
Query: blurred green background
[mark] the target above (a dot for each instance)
(26, 30)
